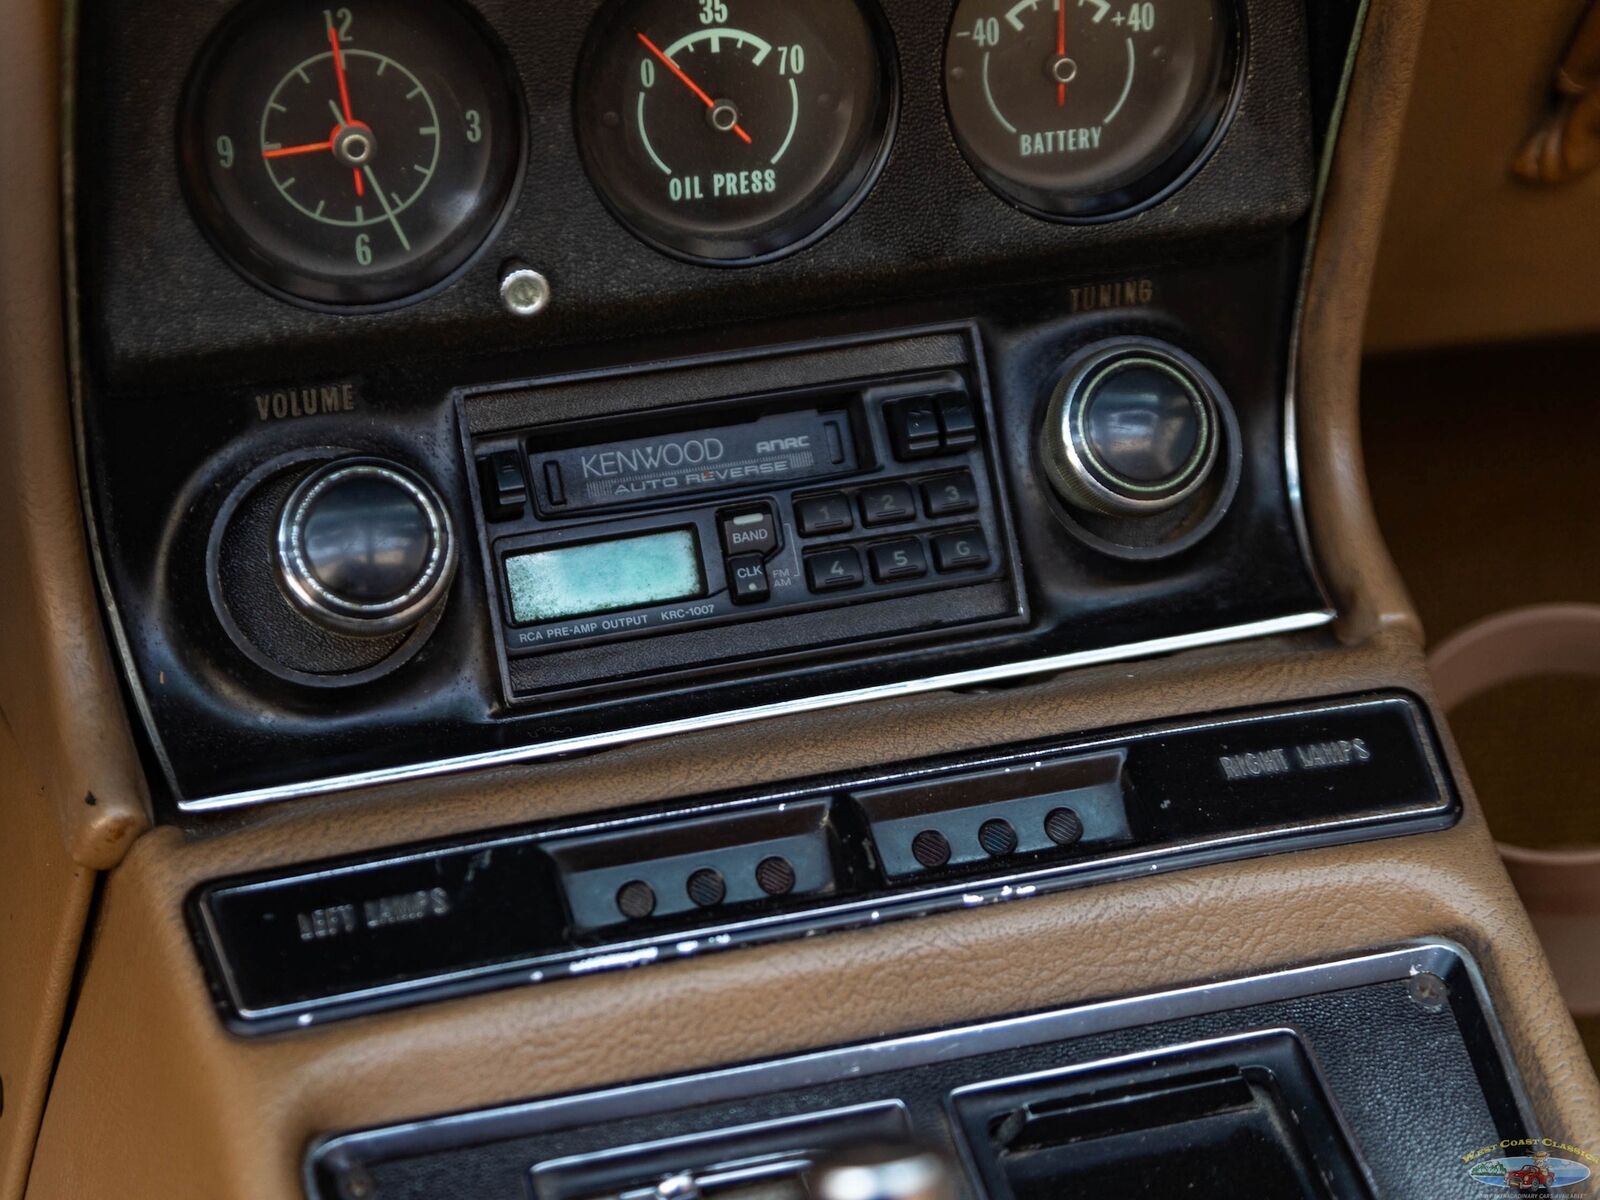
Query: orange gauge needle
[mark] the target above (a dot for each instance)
(691, 85)
(344, 98)
(1061, 48)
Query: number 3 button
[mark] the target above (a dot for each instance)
(950, 494)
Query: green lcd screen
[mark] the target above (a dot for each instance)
(581, 581)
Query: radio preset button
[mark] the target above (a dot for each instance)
(834, 570)
(894, 561)
(747, 579)
(752, 531)
(887, 504)
(950, 494)
(824, 514)
(965, 549)
(914, 428)
(957, 426)
(506, 491)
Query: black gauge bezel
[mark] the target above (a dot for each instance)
(1207, 127)
(320, 293)
(835, 206)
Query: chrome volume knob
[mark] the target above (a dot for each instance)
(365, 547)
(1132, 429)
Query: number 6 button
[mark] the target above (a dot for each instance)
(960, 550)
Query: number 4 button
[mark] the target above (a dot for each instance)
(831, 570)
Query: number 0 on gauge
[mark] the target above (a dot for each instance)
(732, 131)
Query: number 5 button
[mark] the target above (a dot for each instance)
(898, 560)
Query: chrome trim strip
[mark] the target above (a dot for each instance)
(1434, 955)
(912, 687)
(895, 1110)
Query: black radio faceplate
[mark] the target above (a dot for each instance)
(810, 510)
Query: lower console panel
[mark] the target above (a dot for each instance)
(336, 939)
(1373, 1076)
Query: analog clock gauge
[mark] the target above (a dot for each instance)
(351, 156)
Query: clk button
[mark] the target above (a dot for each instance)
(747, 579)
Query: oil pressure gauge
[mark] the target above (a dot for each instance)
(732, 131)
(1087, 109)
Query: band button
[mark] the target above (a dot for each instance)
(750, 532)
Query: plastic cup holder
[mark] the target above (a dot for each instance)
(1560, 885)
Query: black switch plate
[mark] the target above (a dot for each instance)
(286, 948)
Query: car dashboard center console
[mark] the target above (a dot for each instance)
(636, 536)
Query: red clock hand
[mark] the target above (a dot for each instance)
(691, 85)
(344, 98)
(285, 151)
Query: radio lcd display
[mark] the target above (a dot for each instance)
(580, 581)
